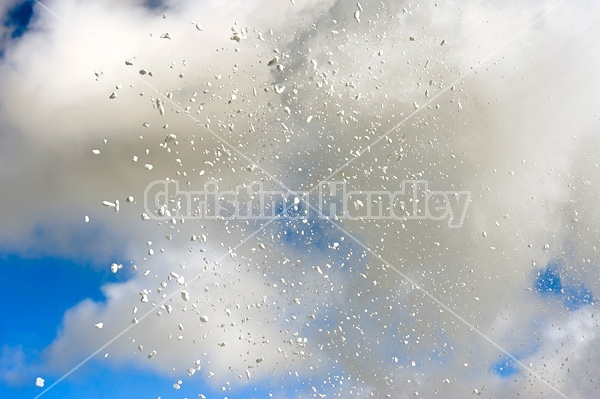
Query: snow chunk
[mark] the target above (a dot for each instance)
(39, 382)
(109, 204)
(115, 267)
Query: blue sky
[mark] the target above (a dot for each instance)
(299, 306)
(18, 17)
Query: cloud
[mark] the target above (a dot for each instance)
(515, 133)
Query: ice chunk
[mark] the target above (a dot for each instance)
(96, 152)
(165, 36)
(148, 166)
(115, 267)
(160, 104)
(113, 95)
(357, 16)
(109, 204)
(204, 319)
(99, 325)
(186, 296)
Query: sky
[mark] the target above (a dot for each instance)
(117, 115)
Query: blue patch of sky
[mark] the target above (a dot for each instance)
(17, 18)
(155, 4)
(553, 282)
(301, 227)
(505, 367)
(42, 289)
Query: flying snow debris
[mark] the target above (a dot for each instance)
(99, 325)
(39, 382)
(115, 267)
(109, 204)
(186, 296)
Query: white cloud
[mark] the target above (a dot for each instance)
(518, 133)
